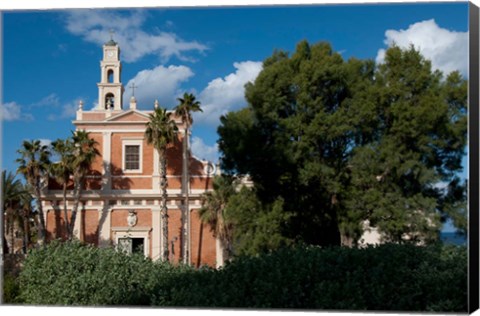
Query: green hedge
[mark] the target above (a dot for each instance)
(386, 278)
(11, 290)
(74, 274)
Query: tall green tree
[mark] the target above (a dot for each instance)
(85, 152)
(418, 143)
(298, 130)
(33, 164)
(187, 105)
(454, 205)
(161, 131)
(341, 142)
(62, 170)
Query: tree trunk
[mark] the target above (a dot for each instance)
(226, 251)
(5, 246)
(346, 241)
(186, 184)
(12, 230)
(65, 213)
(77, 192)
(6, 227)
(163, 207)
(26, 230)
(42, 237)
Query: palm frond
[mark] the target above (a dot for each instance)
(161, 130)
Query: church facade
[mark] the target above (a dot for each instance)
(120, 204)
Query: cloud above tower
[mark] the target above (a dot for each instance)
(94, 26)
(160, 83)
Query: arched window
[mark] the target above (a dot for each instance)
(110, 76)
(109, 101)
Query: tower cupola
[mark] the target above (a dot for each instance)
(110, 88)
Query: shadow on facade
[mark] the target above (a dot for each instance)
(94, 180)
(198, 182)
(59, 231)
(118, 180)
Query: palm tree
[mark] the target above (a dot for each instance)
(34, 165)
(12, 191)
(214, 211)
(161, 131)
(17, 205)
(85, 153)
(187, 105)
(62, 170)
(26, 215)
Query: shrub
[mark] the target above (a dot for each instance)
(11, 289)
(388, 277)
(74, 274)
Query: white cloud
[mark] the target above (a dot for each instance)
(50, 100)
(94, 26)
(94, 105)
(12, 111)
(226, 94)
(68, 111)
(203, 151)
(162, 83)
(447, 50)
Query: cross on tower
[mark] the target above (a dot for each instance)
(111, 31)
(133, 86)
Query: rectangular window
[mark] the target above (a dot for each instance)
(132, 157)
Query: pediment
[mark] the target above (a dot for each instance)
(129, 116)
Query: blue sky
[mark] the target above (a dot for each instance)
(51, 58)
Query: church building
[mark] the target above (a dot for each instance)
(120, 204)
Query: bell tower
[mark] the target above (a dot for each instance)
(110, 88)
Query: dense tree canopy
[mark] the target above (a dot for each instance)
(341, 142)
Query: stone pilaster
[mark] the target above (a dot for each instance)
(106, 154)
(156, 234)
(104, 220)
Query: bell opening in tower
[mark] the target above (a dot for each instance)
(110, 76)
(109, 101)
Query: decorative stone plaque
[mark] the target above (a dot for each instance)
(132, 218)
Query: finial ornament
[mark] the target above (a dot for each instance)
(156, 104)
(80, 105)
